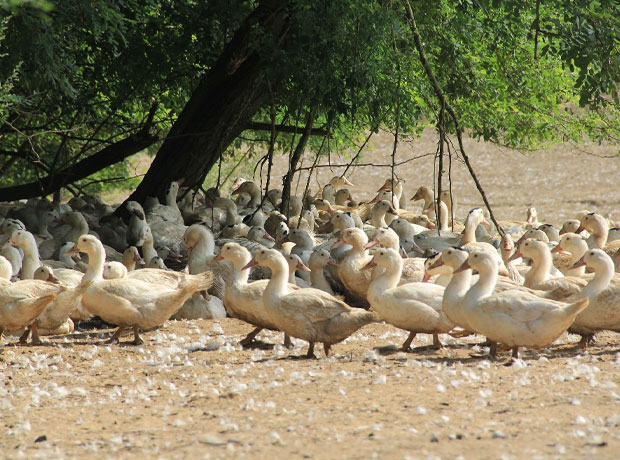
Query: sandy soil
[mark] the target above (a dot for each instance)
(191, 392)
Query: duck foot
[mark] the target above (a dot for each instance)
(23, 339)
(459, 334)
(137, 340)
(250, 337)
(117, 335)
(36, 339)
(406, 346)
(287, 342)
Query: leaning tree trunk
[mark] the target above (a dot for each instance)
(220, 108)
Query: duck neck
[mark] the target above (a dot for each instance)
(148, 250)
(602, 277)
(378, 219)
(443, 213)
(231, 214)
(469, 233)
(598, 237)
(240, 277)
(278, 283)
(317, 277)
(457, 287)
(43, 231)
(575, 256)
(94, 271)
(31, 259)
(387, 280)
(540, 271)
(202, 252)
(484, 287)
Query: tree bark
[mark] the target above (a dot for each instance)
(299, 150)
(220, 108)
(55, 181)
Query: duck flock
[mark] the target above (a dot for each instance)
(332, 267)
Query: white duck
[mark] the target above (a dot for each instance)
(603, 313)
(576, 247)
(309, 314)
(130, 302)
(23, 301)
(539, 276)
(453, 302)
(245, 301)
(318, 260)
(514, 318)
(349, 270)
(414, 307)
(55, 317)
(168, 212)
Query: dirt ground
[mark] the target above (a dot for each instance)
(191, 392)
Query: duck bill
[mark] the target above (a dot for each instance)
(393, 211)
(338, 244)
(369, 265)
(431, 225)
(438, 263)
(347, 182)
(559, 250)
(416, 197)
(216, 259)
(268, 237)
(372, 244)
(486, 223)
(563, 231)
(427, 276)
(250, 264)
(301, 266)
(73, 250)
(580, 263)
(515, 256)
(416, 248)
(580, 229)
(237, 190)
(52, 279)
(462, 268)
(331, 261)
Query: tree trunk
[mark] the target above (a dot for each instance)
(220, 108)
(292, 165)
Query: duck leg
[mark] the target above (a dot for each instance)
(137, 340)
(117, 335)
(492, 349)
(36, 339)
(515, 352)
(437, 345)
(24, 337)
(287, 341)
(406, 346)
(250, 337)
(326, 348)
(586, 339)
(310, 353)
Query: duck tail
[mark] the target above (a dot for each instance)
(366, 316)
(39, 305)
(577, 307)
(201, 282)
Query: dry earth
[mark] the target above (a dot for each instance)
(191, 392)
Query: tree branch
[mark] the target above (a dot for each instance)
(259, 126)
(106, 157)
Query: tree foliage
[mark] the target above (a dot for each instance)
(84, 75)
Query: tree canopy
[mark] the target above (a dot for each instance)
(86, 84)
